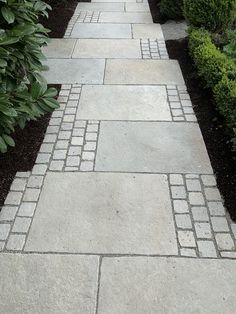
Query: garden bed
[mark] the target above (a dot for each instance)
(28, 141)
(217, 143)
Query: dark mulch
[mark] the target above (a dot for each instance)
(28, 141)
(211, 124)
(59, 17)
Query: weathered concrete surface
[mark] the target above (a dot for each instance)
(127, 17)
(104, 213)
(147, 31)
(59, 48)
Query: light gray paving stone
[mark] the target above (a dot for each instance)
(196, 198)
(92, 128)
(31, 195)
(74, 151)
(178, 192)
(2, 244)
(90, 201)
(203, 230)
(73, 161)
(183, 221)
(90, 146)
(146, 147)
(107, 48)
(147, 31)
(200, 213)
(24, 174)
(233, 228)
(84, 71)
(208, 180)
(59, 48)
(206, 249)
(220, 224)
(188, 252)
(39, 169)
(228, 254)
(212, 194)
(193, 185)
(62, 144)
(88, 155)
(43, 158)
(91, 136)
(59, 154)
(180, 206)
(137, 7)
(35, 182)
(101, 7)
(27, 209)
(86, 166)
(162, 285)
(21, 224)
(76, 140)
(89, 31)
(224, 241)
(13, 198)
(4, 231)
(18, 184)
(144, 72)
(47, 148)
(8, 213)
(56, 165)
(176, 179)
(74, 280)
(186, 238)
(15, 243)
(216, 208)
(125, 17)
(108, 102)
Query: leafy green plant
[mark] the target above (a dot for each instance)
(24, 94)
(230, 48)
(172, 9)
(214, 15)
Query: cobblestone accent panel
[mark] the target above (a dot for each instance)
(153, 49)
(180, 104)
(203, 227)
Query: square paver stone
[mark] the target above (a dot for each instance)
(101, 7)
(104, 213)
(147, 31)
(70, 71)
(107, 48)
(119, 71)
(119, 102)
(166, 147)
(59, 48)
(125, 17)
(48, 284)
(89, 30)
(138, 285)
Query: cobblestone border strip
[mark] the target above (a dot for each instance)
(203, 227)
(81, 17)
(180, 104)
(153, 49)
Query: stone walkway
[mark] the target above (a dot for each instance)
(121, 213)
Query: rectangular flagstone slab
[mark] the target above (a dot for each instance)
(112, 1)
(48, 284)
(89, 30)
(59, 48)
(119, 102)
(69, 71)
(104, 213)
(144, 72)
(138, 285)
(165, 147)
(137, 7)
(145, 31)
(107, 48)
(126, 17)
(101, 7)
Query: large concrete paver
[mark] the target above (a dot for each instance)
(69, 71)
(147, 31)
(141, 285)
(165, 147)
(137, 7)
(59, 48)
(107, 48)
(48, 284)
(119, 71)
(120, 102)
(102, 7)
(111, 30)
(104, 213)
(126, 17)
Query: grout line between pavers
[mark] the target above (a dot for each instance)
(98, 285)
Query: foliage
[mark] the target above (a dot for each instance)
(172, 9)
(23, 91)
(219, 73)
(214, 15)
(230, 47)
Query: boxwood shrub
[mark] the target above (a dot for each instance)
(172, 9)
(219, 73)
(214, 15)
(23, 91)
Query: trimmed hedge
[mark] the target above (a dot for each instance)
(24, 94)
(219, 72)
(172, 9)
(214, 15)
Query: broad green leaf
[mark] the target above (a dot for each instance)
(9, 140)
(8, 15)
(3, 146)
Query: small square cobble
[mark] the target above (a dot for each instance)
(188, 252)
(176, 179)
(31, 195)
(186, 238)
(16, 242)
(35, 181)
(203, 230)
(183, 221)
(220, 224)
(206, 249)
(193, 185)
(21, 225)
(196, 198)
(180, 206)
(8, 213)
(4, 231)
(200, 213)
(212, 194)
(18, 184)
(178, 192)
(224, 241)
(27, 209)
(13, 198)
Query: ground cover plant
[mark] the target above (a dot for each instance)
(24, 94)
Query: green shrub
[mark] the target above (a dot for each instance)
(198, 37)
(23, 91)
(214, 15)
(172, 9)
(225, 98)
